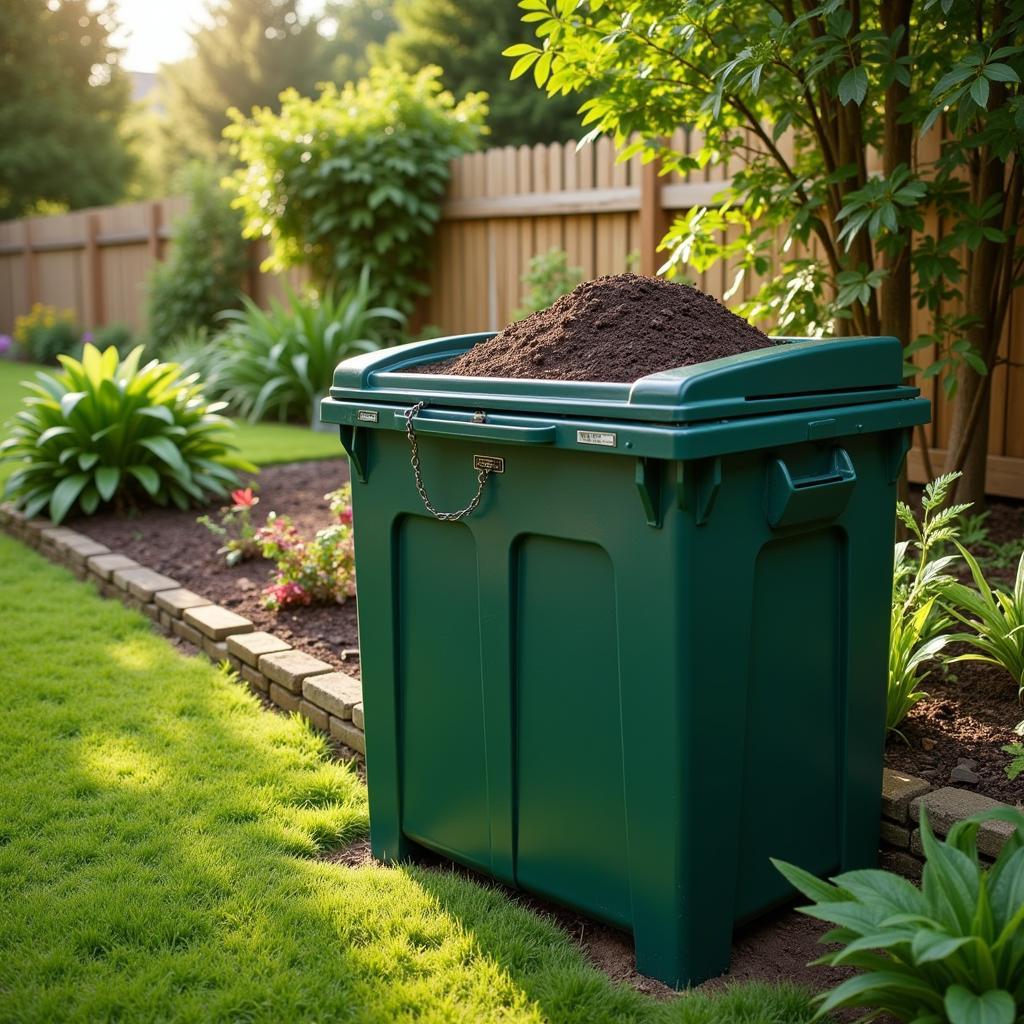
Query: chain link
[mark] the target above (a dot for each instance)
(445, 517)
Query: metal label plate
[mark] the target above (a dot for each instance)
(604, 438)
(489, 462)
(367, 415)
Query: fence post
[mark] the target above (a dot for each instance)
(31, 268)
(93, 270)
(153, 237)
(652, 218)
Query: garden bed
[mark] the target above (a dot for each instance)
(172, 542)
(968, 716)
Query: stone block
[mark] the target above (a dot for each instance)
(345, 732)
(78, 552)
(187, 632)
(284, 698)
(248, 647)
(901, 862)
(215, 650)
(290, 668)
(257, 680)
(216, 622)
(151, 612)
(335, 692)
(949, 805)
(178, 599)
(357, 716)
(895, 835)
(143, 583)
(898, 790)
(105, 566)
(316, 717)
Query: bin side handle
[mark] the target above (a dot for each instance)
(791, 501)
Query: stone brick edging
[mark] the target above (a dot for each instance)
(903, 796)
(332, 701)
(329, 700)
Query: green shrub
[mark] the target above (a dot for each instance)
(204, 272)
(278, 362)
(47, 332)
(951, 951)
(547, 278)
(354, 177)
(105, 431)
(918, 619)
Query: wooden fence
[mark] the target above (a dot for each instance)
(504, 206)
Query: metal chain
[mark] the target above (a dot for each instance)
(445, 517)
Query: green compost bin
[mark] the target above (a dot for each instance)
(654, 654)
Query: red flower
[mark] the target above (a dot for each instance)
(244, 498)
(345, 515)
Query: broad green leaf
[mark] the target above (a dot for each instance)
(65, 494)
(107, 479)
(966, 1007)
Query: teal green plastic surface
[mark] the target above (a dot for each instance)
(633, 674)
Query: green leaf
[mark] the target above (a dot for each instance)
(65, 494)
(979, 91)
(165, 450)
(853, 86)
(148, 477)
(1000, 73)
(107, 479)
(965, 1007)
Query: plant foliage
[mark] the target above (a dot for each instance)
(45, 332)
(547, 278)
(204, 272)
(355, 177)
(790, 98)
(278, 362)
(107, 431)
(951, 952)
(321, 570)
(918, 619)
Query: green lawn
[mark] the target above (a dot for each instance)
(262, 443)
(160, 837)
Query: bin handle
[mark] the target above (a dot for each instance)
(791, 501)
(481, 477)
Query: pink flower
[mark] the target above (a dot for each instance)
(244, 498)
(345, 515)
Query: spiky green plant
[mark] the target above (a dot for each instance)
(105, 431)
(951, 952)
(918, 620)
(276, 363)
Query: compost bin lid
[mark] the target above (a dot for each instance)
(795, 374)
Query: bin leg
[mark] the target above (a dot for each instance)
(378, 664)
(683, 736)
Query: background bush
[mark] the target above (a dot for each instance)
(46, 332)
(354, 177)
(203, 273)
(105, 432)
(547, 278)
(278, 362)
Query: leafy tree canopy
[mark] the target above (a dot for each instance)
(62, 97)
(848, 124)
(246, 54)
(465, 38)
(352, 27)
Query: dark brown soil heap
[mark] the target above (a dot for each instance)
(616, 328)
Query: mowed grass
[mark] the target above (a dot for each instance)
(262, 443)
(161, 858)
